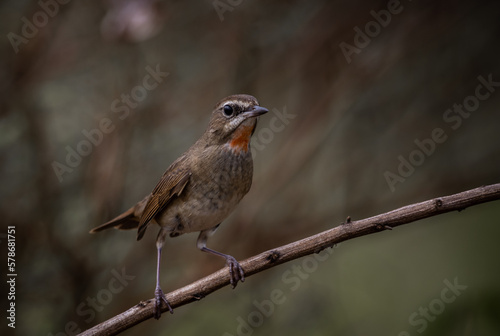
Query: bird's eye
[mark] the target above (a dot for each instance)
(228, 110)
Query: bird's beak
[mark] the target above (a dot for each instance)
(255, 112)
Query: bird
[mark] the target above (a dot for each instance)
(201, 188)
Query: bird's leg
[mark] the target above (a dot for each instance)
(235, 270)
(159, 295)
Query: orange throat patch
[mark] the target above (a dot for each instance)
(240, 140)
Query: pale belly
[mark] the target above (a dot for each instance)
(195, 215)
(205, 204)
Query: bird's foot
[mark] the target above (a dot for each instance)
(159, 297)
(235, 271)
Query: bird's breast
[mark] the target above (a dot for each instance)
(218, 182)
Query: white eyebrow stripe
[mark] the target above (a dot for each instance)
(231, 102)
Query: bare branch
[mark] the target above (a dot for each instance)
(313, 244)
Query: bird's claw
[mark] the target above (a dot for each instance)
(235, 271)
(159, 297)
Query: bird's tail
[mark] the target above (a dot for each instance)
(125, 221)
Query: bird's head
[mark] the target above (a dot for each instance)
(234, 120)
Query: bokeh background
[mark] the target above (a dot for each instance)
(337, 125)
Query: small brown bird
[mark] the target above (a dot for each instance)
(202, 187)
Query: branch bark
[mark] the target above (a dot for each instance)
(313, 244)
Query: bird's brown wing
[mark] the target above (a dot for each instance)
(171, 185)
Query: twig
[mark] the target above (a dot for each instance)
(313, 244)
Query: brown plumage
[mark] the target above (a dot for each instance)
(202, 187)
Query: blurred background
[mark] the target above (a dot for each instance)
(97, 98)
